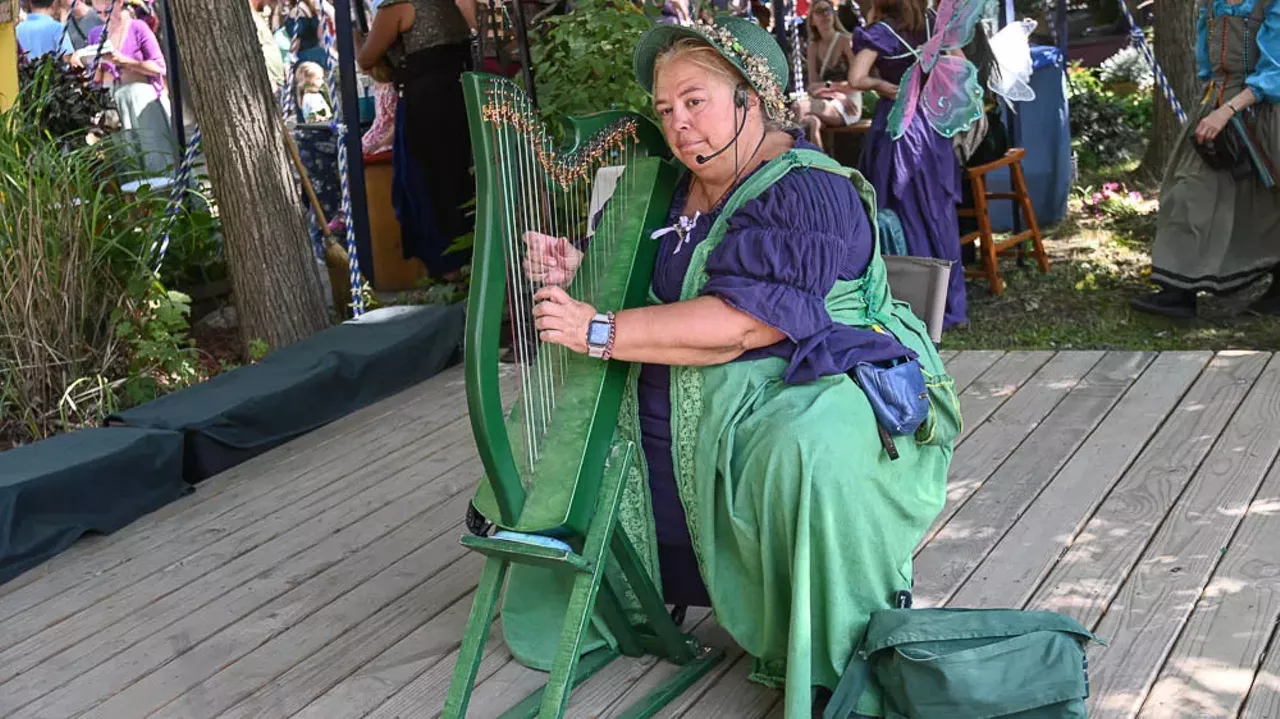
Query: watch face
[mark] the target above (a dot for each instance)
(598, 333)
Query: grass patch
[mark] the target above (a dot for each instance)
(1099, 259)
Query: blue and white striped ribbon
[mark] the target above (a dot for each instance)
(181, 181)
(1140, 41)
(340, 129)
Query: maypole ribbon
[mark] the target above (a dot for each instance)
(181, 181)
(1139, 40)
(340, 129)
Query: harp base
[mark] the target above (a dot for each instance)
(593, 593)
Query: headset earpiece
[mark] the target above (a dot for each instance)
(740, 97)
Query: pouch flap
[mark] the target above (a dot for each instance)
(893, 627)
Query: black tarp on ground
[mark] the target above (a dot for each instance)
(93, 480)
(245, 412)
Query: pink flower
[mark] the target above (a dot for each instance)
(1097, 197)
(1111, 186)
(1135, 196)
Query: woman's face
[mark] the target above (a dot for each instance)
(823, 17)
(696, 109)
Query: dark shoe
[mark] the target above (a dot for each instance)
(1266, 305)
(1168, 303)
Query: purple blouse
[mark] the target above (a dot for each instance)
(781, 256)
(139, 44)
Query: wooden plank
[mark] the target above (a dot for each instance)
(993, 442)
(733, 695)
(1263, 701)
(1144, 621)
(980, 524)
(433, 647)
(965, 367)
(318, 607)
(710, 634)
(424, 695)
(1090, 573)
(418, 613)
(1015, 567)
(504, 689)
(1212, 666)
(330, 644)
(317, 448)
(204, 642)
(94, 634)
(42, 604)
(599, 692)
(988, 393)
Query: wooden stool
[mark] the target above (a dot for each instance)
(988, 248)
(844, 144)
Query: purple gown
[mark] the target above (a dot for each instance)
(780, 257)
(918, 176)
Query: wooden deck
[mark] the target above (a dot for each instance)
(1135, 492)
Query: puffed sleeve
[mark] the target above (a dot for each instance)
(1204, 70)
(878, 37)
(782, 255)
(783, 252)
(1265, 78)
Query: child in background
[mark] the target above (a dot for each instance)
(315, 107)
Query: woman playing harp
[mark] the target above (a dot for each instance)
(767, 487)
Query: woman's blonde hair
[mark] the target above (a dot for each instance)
(308, 77)
(701, 53)
(812, 28)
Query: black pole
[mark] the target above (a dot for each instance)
(173, 65)
(1064, 32)
(355, 152)
(526, 59)
(362, 17)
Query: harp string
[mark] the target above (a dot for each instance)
(559, 197)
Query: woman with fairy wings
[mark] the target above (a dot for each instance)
(908, 154)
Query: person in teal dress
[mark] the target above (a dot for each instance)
(766, 490)
(1219, 231)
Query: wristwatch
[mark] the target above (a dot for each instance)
(600, 336)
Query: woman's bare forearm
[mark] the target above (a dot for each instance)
(1243, 100)
(698, 332)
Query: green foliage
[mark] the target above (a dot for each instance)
(583, 60)
(258, 348)
(1106, 127)
(195, 256)
(161, 356)
(70, 105)
(75, 264)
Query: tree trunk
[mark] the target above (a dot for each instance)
(278, 295)
(1175, 37)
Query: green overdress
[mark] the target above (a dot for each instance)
(801, 524)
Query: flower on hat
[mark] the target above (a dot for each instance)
(757, 68)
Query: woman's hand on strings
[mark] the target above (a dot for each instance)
(1211, 126)
(550, 260)
(562, 320)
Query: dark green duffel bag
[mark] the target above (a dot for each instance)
(971, 663)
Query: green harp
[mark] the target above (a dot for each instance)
(554, 471)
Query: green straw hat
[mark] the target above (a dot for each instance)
(747, 46)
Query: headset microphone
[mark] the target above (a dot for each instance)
(739, 101)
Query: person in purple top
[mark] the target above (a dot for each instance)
(135, 69)
(917, 177)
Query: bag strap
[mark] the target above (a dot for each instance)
(853, 683)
